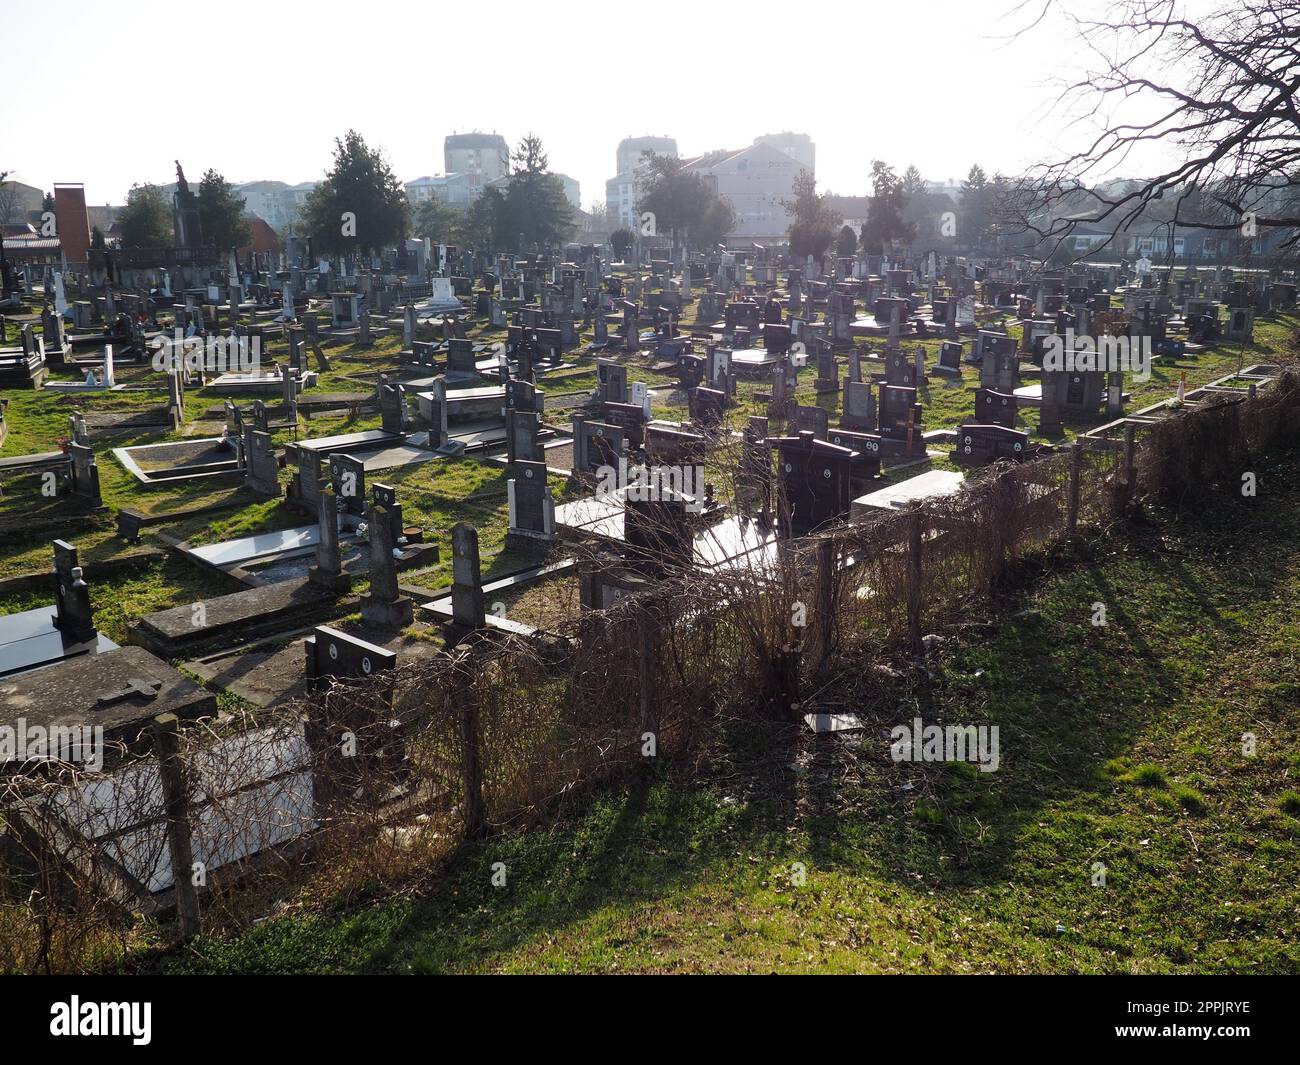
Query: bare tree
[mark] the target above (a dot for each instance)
(1215, 92)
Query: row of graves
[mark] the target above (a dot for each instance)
(651, 511)
(268, 786)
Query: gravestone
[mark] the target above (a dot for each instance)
(433, 406)
(85, 473)
(814, 419)
(364, 727)
(261, 467)
(657, 533)
(331, 653)
(467, 608)
(900, 419)
(348, 480)
(1240, 325)
(524, 396)
(950, 355)
(611, 381)
(1070, 394)
(258, 416)
(983, 444)
(674, 447)
(708, 406)
(827, 371)
(385, 606)
(815, 482)
(858, 410)
(865, 467)
(630, 417)
(393, 412)
(531, 508)
(460, 357)
(363, 324)
(424, 353)
(599, 444)
(385, 496)
(328, 570)
(176, 399)
(900, 369)
(73, 614)
(1000, 364)
(995, 408)
(522, 437)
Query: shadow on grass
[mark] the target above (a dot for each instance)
(1068, 697)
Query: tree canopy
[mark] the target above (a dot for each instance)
(480, 227)
(221, 214)
(814, 224)
(886, 223)
(146, 220)
(360, 206)
(437, 221)
(534, 209)
(621, 240)
(683, 203)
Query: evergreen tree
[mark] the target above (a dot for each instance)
(976, 208)
(221, 214)
(437, 221)
(846, 243)
(536, 211)
(360, 206)
(483, 225)
(146, 220)
(885, 224)
(621, 240)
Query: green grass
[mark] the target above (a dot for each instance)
(1122, 752)
(1122, 745)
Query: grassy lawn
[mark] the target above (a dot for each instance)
(1120, 745)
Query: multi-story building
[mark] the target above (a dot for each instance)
(455, 190)
(275, 202)
(571, 189)
(621, 190)
(798, 146)
(633, 150)
(481, 157)
(757, 181)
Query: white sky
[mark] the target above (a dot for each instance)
(109, 95)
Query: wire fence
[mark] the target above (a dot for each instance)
(366, 786)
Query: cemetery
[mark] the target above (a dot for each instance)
(482, 493)
(347, 556)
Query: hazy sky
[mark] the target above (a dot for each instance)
(110, 94)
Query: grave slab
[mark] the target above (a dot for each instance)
(91, 691)
(173, 631)
(929, 485)
(30, 640)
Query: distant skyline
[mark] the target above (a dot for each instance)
(260, 91)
